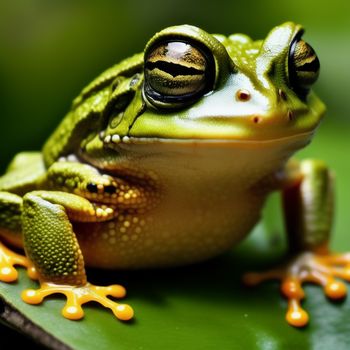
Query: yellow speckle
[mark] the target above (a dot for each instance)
(138, 230)
(125, 238)
(122, 229)
(99, 211)
(109, 211)
(135, 219)
(126, 223)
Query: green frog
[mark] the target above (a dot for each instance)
(167, 159)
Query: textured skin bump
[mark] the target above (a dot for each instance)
(50, 242)
(10, 212)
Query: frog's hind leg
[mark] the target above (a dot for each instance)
(308, 206)
(10, 229)
(306, 267)
(51, 244)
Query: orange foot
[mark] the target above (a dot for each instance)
(8, 259)
(307, 267)
(79, 295)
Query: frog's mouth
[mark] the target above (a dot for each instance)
(116, 142)
(174, 158)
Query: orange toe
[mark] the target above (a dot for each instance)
(307, 267)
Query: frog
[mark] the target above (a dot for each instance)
(167, 159)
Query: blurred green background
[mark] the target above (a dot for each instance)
(50, 49)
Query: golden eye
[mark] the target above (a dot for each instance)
(304, 66)
(177, 73)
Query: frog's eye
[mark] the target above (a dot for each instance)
(304, 66)
(177, 73)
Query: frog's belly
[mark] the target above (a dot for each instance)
(168, 235)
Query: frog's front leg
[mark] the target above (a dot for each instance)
(308, 207)
(51, 245)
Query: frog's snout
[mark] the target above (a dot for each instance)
(278, 112)
(283, 118)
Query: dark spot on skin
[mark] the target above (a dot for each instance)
(243, 95)
(92, 188)
(282, 94)
(109, 189)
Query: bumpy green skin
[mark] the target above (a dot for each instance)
(42, 193)
(11, 211)
(89, 109)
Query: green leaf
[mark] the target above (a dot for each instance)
(205, 306)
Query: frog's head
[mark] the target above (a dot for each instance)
(199, 86)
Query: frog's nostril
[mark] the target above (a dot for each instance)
(243, 95)
(256, 120)
(282, 94)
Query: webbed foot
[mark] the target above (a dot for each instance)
(306, 267)
(79, 295)
(8, 259)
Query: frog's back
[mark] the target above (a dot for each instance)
(89, 109)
